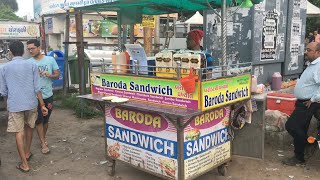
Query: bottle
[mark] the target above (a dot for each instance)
(254, 84)
(276, 81)
(114, 61)
(122, 63)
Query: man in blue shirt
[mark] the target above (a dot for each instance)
(49, 70)
(20, 85)
(307, 92)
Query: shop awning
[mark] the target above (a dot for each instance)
(197, 18)
(312, 10)
(155, 7)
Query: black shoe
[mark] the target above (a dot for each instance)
(293, 161)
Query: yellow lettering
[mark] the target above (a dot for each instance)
(212, 116)
(140, 118)
(118, 113)
(196, 121)
(148, 119)
(207, 117)
(218, 114)
(125, 115)
(132, 116)
(201, 119)
(157, 122)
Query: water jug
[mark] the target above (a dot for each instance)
(276, 81)
(254, 83)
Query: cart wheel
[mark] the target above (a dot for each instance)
(111, 168)
(222, 170)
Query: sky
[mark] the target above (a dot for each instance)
(25, 8)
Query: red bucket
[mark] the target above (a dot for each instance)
(189, 83)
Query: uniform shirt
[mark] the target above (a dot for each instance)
(20, 83)
(49, 64)
(308, 86)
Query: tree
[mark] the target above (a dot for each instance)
(313, 22)
(11, 3)
(7, 13)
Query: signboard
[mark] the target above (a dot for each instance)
(109, 28)
(148, 21)
(160, 91)
(59, 6)
(207, 143)
(225, 91)
(11, 30)
(49, 26)
(91, 28)
(149, 141)
(269, 36)
(143, 139)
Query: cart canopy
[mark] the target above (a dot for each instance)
(156, 7)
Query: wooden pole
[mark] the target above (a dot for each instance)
(80, 51)
(131, 33)
(147, 41)
(157, 35)
(66, 54)
(43, 33)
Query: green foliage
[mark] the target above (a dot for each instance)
(313, 23)
(82, 108)
(7, 13)
(11, 3)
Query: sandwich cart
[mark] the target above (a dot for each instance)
(158, 127)
(162, 129)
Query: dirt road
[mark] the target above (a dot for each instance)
(77, 151)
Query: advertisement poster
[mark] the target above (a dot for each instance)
(91, 28)
(221, 92)
(160, 91)
(148, 21)
(58, 6)
(207, 143)
(269, 36)
(142, 139)
(109, 28)
(8, 30)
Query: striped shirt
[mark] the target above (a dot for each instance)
(308, 86)
(20, 83)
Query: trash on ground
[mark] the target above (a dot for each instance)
(103, 162)
(272, 169)
(280, 155)
(83, 139)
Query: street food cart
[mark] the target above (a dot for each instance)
(162, 129)
(153, 124)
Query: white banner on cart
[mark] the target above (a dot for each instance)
(143, 139)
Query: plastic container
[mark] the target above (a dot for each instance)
(114, 62)
(59, 57)
(122, 63)
(254, 84)
(281, 101)
(276, 81)
(189, 83)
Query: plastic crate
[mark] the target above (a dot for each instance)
(281, 101)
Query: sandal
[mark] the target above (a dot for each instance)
(21, 169)
(30, 156)
(45, 150)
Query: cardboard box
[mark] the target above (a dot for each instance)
(281, 101)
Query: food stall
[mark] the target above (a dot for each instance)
(170, 119)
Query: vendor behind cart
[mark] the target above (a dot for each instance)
(193, 43)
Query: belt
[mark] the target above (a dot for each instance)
(303, 100)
